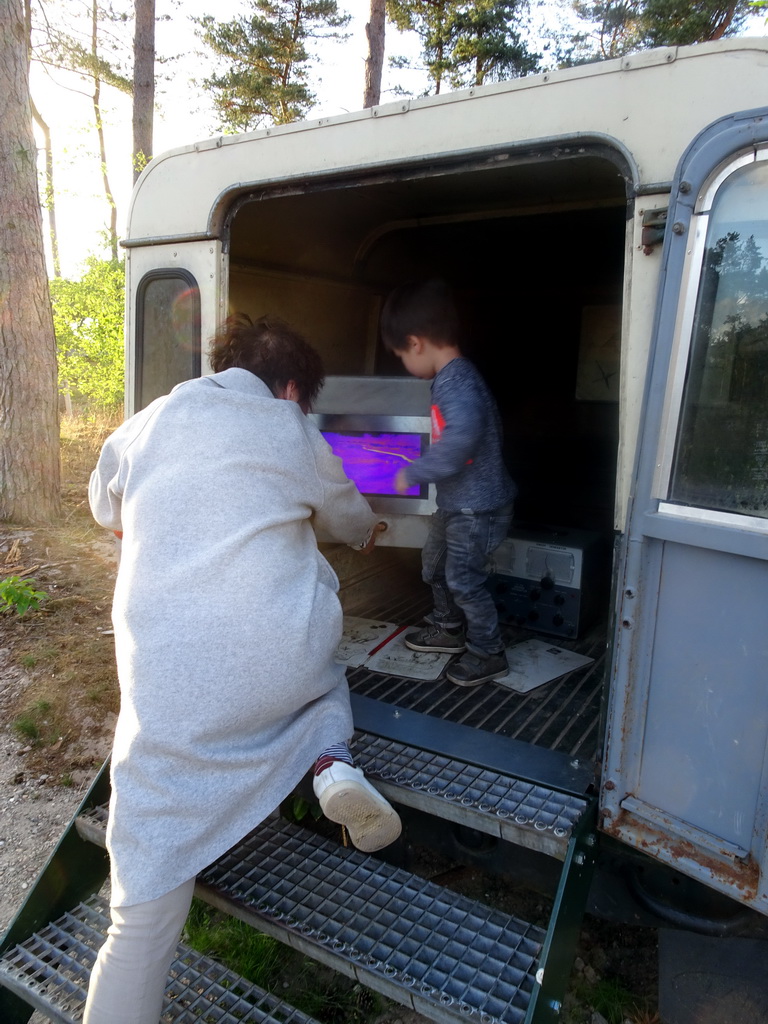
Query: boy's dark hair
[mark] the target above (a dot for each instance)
(272, 350)
(422, 308)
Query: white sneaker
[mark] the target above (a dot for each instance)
(348, 798)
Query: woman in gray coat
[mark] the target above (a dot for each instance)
(226, 622)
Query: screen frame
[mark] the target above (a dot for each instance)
(354, 423)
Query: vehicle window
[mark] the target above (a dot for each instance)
(168, 333)
(721, 456)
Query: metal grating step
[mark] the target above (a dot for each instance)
(433, 950)
(514, 810)
(436, 952)
(50, 971)
(91, 824)
(561, 715)
(520, 812)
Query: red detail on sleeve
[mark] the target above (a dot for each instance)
(438, 426)
(438, 423)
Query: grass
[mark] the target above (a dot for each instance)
(100, 693)
(266, 962)
(36, 724)
(337, 1000)
(254, 956)
(81, 438)
(616, 1004)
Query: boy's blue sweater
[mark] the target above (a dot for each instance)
(465, 457)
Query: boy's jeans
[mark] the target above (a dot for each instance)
(454, 563)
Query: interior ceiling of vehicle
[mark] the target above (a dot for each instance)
(329, 227)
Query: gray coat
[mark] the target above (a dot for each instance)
(226, 620)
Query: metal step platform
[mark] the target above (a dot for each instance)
(518, 811)
(412, 940)
(562, 715)
(50, 971)
(435, 951)
(439, 953)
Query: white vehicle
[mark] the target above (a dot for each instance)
(605, 230)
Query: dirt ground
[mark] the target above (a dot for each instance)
(58, 705)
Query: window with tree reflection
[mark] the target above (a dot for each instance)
(721, 459)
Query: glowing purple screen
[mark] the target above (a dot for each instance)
(372, 460)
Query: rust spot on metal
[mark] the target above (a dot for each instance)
(738, 877)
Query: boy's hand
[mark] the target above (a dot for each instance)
(378, 528)
(401, 481)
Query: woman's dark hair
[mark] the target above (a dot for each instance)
(423, 308)
(272, 350)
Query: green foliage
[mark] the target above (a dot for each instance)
(249, 953)
(265, 60)
(336, 1000)
(62, 36)
(615, 1003)
(63, 50)
(300, 808)
(467, 44)
(18, 595)
(679, 23)
(623, 26)
(488, 48)
(265, 962)
(29, 725)
(88, 320)
(296, 808)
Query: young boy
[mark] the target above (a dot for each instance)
(474, 491)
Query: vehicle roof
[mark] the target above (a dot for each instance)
(646, 106)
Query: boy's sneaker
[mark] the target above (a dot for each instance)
(436, 638)
(473, 669)
(348, 798)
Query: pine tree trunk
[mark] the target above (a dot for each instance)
(143, 84)
(29, 434)
(96, 99)
(374, 62)
(50, 195)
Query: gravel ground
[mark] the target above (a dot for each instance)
(33, 813)
(32, 818)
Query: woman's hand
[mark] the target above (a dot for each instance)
(371, 542)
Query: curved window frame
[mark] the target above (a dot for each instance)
(162, 274)
(681, 354)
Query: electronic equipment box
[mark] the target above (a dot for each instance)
(548, 579)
